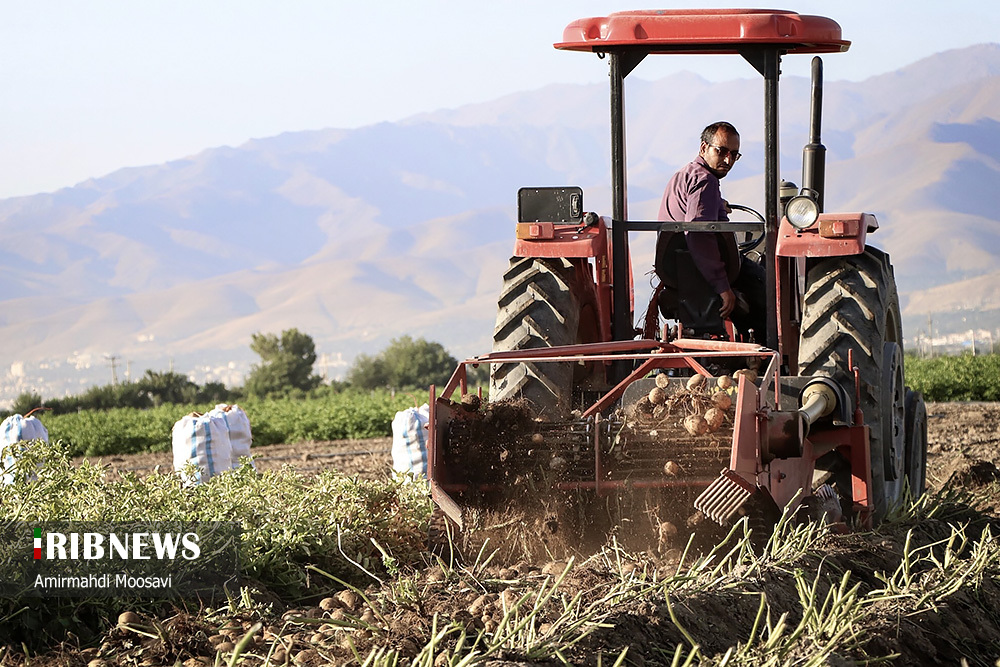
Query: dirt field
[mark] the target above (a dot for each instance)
(959, 434)
(368, 458)
(964, 628)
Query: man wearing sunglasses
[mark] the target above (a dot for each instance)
(693, 194)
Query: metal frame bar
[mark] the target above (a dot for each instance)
(677, 226)
(597, 486)
(621, 316)
(719, 226)
(676, 354)
(766, 59)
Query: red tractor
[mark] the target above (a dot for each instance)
(826, 420)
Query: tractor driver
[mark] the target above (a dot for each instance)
(693, 194)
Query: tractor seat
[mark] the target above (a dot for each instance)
(686, 295)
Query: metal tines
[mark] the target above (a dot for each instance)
(724, 497)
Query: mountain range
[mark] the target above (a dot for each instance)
(359, 236)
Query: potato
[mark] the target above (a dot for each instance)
(479, 604)
(305, 657)
(657, 396)
(724, 382)
(667, 531)
(672, 468)
(695, 425)
(129, 618)
(722, 400)
(695, 381)
(349, 599)
(662, 380)
(715, 418)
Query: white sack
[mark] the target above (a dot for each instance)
(240, 436)
(204, 441)
(409, 440)
(13, 430)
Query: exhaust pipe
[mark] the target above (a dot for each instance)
(814, 153)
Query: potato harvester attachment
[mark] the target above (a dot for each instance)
(636, 436)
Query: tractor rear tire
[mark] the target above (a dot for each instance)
(893, 405)
(538, 308)
(851, 304)
(916, 443)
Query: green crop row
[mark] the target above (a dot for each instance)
(289, 525)
(963, 378)
(337, 416)
(132, 430)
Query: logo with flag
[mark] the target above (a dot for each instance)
(154, 559)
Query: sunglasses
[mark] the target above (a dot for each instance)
(725, 152)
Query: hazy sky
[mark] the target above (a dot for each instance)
(87, 87)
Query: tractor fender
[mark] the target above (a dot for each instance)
(577, 244)
(547, 239)
(833, 235)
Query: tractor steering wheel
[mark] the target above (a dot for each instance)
(753, 238)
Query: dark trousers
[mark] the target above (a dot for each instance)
(751, 284)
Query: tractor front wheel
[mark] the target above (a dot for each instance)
(851, 306)
(538, 307)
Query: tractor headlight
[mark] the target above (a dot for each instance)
(801, 211)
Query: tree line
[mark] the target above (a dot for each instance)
(285, 369)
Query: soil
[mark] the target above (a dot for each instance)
(958, 435)
(964, 628)
(370, 458)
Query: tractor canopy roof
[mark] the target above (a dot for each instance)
(704, 31)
